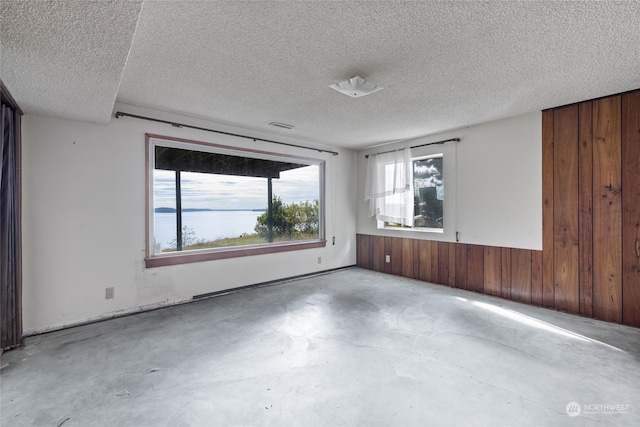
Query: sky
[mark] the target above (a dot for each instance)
(210, 191)
(428, 173)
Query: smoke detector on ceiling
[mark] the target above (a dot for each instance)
(356, 87)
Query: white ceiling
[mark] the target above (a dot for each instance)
(443, 65)
(65, 59)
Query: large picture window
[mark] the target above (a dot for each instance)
(210, 201)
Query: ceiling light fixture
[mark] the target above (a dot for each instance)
(355, 87)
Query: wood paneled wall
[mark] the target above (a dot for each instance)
(505, 272)
(590, 262)
(591, 191)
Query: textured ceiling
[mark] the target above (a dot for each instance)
(65, 59)
(443, 65)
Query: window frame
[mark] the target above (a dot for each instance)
(449, 156)
(153, 259)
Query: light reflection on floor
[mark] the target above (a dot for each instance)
(533, 322)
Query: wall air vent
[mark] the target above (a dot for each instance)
(281, 125)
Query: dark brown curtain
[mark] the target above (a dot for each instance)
(10, 231)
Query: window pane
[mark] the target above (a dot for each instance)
(220, 210)
(298, 193)
(164, 200)
(428, 192)
(224, 200)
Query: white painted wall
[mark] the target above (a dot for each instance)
(499, 184)
(84, 222)
(83, 212)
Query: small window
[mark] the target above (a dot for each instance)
(428, 194)
(210, 201)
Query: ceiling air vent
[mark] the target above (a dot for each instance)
(281, 125)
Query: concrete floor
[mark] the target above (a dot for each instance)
(353, 347)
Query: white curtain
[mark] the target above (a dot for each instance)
(388, 187)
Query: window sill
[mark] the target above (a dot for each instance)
(216, 254)
(419, 230)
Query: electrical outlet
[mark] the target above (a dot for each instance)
(387, 258)
(319, 260)
(109, 293)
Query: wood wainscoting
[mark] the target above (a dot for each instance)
(590, 262)
(509, 273)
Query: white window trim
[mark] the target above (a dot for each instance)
(450, 216)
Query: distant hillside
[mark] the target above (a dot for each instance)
(172, 210)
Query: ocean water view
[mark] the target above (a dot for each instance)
(207, 225)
